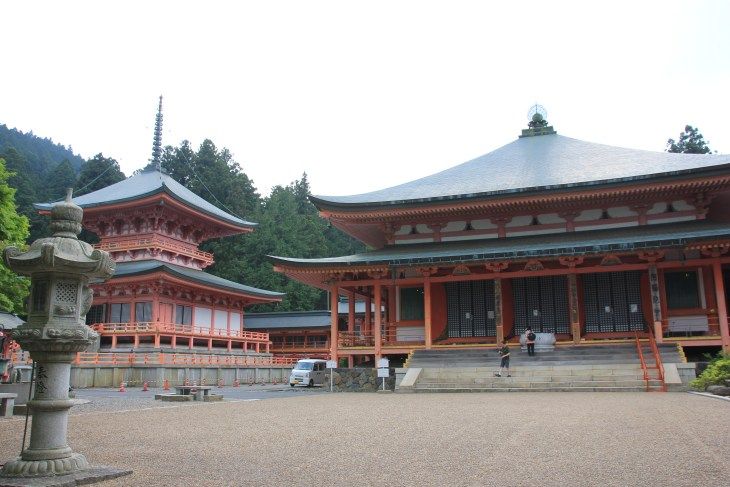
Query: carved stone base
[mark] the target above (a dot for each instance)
(84, 477)
(35, 468)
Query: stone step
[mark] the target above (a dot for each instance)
(506, 383)
(536, 389)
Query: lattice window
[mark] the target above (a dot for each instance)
(66, 292)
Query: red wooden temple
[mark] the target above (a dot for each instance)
(589, 242)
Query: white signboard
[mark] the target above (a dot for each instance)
(383, 372)
(383, 363)
(331, 364)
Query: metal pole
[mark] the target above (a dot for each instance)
(332, 373)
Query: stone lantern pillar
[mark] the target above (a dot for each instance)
(60, 268)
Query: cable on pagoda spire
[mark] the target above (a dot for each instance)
(157, 141)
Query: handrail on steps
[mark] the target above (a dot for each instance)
(659, 364)
(643, 362)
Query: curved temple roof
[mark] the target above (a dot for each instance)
(587, 242)
(125, 269)
(535, 163)
(149, 183)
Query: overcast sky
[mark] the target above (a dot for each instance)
(361, 95)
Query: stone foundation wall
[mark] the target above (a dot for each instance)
(154, 375)
(361, 380)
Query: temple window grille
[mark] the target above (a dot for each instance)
(683, 289)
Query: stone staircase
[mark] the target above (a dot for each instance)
(595, 368)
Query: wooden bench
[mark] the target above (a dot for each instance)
(7, 403)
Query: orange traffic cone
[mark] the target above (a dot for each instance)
(165, 385)
(122, 387)
(144, 387)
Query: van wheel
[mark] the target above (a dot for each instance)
(311, 383)
(291, 385)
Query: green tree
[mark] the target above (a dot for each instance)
(96, 173)
(59, 179)
(24, 180)
(690, 141)
(13, 231)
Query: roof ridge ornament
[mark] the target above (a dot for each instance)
(538, 124)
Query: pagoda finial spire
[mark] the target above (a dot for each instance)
(157, 141)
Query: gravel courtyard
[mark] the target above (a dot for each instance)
(402, 440)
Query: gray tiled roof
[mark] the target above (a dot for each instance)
(147, 266)
(148, 183)
(536, 164)
(9, 321)
(289, 319)
(536, 246)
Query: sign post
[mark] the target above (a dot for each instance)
(331, 364)
(383, 370)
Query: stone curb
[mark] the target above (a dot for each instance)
(708, 395)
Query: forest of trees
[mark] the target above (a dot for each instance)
(40, 171)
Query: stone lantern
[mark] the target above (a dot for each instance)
(60, 268)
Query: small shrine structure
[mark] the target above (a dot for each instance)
(589, 242)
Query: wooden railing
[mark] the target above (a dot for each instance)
(84, 358)
(346, 339)
(155, 241)
(389, 337)
(176, 329)
(300, 345)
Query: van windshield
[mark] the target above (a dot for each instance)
(304, 366)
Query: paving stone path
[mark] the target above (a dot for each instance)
(567, 439)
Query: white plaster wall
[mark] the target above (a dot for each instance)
(520, 221)
(587, 215)
(482, 224)
(657, 208)
(410, 333)
(549, 218)
(235, 320)
(403, 230)
(202, 316)
(681, 205)
(221, 319)
(423, 228)
(621, 211)
(455, 226)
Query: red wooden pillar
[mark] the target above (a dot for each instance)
(334, 317)
(351, 313)
(173, 341)
(378, 291)
(427, 312)
(114, 341)
(721, 305)
(573, 305)
(368, 325)
(498, 316)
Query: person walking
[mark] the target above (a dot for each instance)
(504, 362)
(530, 341)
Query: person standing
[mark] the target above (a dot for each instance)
(530, 341)
(504, 362)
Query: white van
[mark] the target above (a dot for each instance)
(310, 372)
